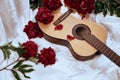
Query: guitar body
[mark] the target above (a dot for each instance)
(80, 49)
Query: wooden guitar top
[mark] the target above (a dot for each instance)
(80, 49)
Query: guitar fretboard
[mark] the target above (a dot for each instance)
(97, 44)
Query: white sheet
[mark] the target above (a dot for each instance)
(66, 67)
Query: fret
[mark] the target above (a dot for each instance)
(100, 46)
(118, 61)
(90, 40)
(97, 44)
(115, 57)
(111, 54)
(107, 52)
(103, 49)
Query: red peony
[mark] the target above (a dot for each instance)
(83, 7)
(52, 4)
(44, 15)
(47, 56)
(32, 30)
(71, 3)
(30, 49)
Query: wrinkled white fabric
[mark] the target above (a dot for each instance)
(11, 12)
(14, 16)
(3, 36)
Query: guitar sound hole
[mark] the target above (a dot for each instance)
(81, 30)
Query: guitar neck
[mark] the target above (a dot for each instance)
(97, 44)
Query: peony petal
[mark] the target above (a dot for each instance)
(69, 37)
(59, 27)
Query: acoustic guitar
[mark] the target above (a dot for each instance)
(89, 36)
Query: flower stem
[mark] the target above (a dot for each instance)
(9, 69)
(1, 47)
(5, 68)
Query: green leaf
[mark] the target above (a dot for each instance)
(35, 4)
(27, 70)
(105, 9)
(6, 45)
(22, 67)
(106, 6)
(25, 66)
(98, 4)
(16, 75)
(118, 1)
(23, 72)
(114, 4)
(20, 51)
(13, 48)
(111, 10)
(40, 3)
(118, 8)
(98, 7)
(18, 64)
(117, 13)
(34, 60)
(25, 75)
(105, 13)
(6, 53)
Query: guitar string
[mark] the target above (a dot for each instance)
(105, 49)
